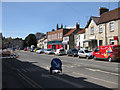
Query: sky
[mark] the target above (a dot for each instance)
(19, 19)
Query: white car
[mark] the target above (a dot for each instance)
(40, 51)
(85, 53)
(49, 51)
(60, 52)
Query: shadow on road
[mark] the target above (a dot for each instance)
(20, 74)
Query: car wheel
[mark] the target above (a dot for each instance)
(87, 57)
(110, 59)
(51, 69)
(94, 57)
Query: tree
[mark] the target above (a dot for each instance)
(31, 40)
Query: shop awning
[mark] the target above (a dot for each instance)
(54, 42)
(65, 42)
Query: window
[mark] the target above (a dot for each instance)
(49, 37)
(100, 28)
(97, 49)
(100, 42)
(112, 26)
(92, 30)
(61, 35)
(55, 36)
(65, 38)
(58, 35)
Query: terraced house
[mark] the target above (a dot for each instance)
(101, 30)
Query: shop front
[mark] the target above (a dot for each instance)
(54, 44)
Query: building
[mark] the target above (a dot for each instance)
(17, 43)
(79, 39)
(45, 43)
(68, 39)
(55, 37)
(41, 43)
(1, 40)
(39, 35)
(101, 30)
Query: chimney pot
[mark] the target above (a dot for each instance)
(77, 25)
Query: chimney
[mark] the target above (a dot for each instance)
(53, 30)
(61, 26)
(57, 26)
(77, 25)
(102, 10)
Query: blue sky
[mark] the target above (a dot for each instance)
(22, 18)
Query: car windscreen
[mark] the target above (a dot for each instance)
(49, 49)
(74, 50)
(61, 49)
(87, 51)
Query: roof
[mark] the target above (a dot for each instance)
(81, 31)
(106, 17)
(109, 16)
(69, 33)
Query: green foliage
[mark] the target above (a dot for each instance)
(30, 40)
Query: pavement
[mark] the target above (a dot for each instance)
(31, 70)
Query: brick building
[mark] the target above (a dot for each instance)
(55, 37)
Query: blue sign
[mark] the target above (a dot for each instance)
(13, 49)
(56, 63)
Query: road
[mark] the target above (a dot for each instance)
(31, 70)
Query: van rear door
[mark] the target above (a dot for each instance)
(116, 51)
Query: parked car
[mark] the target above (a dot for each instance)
(40, 51)
(85, 53)
(25, 49)
(49, 51)
(32, 49)
(72, 52)
(60, 52)
(108, 52)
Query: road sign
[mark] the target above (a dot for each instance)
(56, 63)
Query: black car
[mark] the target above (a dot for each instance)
(72, 52)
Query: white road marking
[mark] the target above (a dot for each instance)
(95, 78)
(69, 82)
(98, 70)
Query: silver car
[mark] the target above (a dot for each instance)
(49, 51)
(85, 53)
(60, 52)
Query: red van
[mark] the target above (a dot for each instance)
(109, 52)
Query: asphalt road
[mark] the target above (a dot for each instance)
(31, 70)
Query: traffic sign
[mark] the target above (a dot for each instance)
(56, 63)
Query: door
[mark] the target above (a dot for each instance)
(98, 52)
(81, 53)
